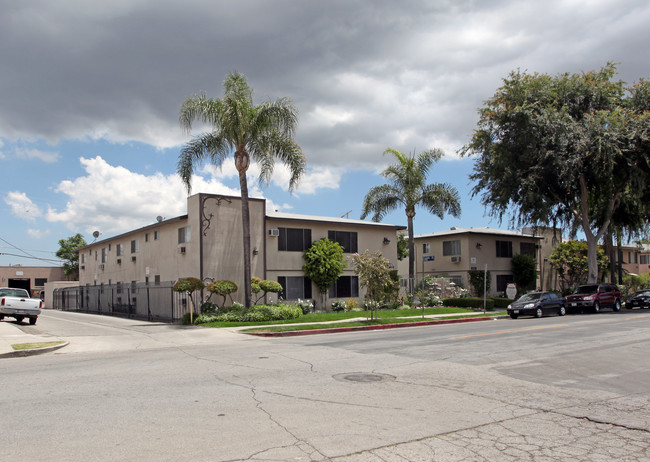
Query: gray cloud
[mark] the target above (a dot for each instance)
(364, 75)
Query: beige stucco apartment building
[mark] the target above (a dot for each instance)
(453, 253)
(207, 244)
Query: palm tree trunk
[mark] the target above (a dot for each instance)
(409, 217)
(242, 162)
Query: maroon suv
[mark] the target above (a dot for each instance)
(594, 297)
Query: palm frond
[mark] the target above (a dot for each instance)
(441, 198)
(200, 108)
(379, 201)
(209, 146)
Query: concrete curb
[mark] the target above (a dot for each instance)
(32, 352)
(333, 330)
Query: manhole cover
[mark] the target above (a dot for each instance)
(363, 377)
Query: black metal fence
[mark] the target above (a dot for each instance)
(156, 302)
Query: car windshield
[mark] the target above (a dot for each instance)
(586, 289)
(530, 297)
(642, 293)
(13, 293)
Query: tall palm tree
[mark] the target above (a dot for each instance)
(263, 132)
(408, 188)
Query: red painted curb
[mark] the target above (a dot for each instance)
(332, 330)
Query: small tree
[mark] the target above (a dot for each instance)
(265, 286)
(524, 270)
(69, 254)
(375, 275)
(569, 259)
(189, 286)
(402, 246)
(224, 288)
(324, 264)
(476, 279)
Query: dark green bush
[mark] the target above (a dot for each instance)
(469, 302)
(185, 319)
(502, 302)
(208, 308)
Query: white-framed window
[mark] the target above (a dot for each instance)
(119, 250)
(104, 254)
(135, 245)
(426, 248)
(184, 234)
(156, 235)
(146, 237)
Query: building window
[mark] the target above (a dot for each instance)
(347, 240)
(636, 258)
(40, 282)
(456, 279)
(184, 234)
(156, 279)
(345, 287)
(119, 250)
(83, 258)
(645, 259)
(104, 255)
(527, 248)
(503, 280)
(504, 249)
(450, 248)
(118, 288)
(156, 235)
(135, 245)
(294, 239)
(426, 248)
(295, 287)
(146, 237)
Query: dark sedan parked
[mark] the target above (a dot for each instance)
(537, 304)
(640, 299)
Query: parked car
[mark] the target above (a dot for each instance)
(640, 299)
(537, 304)
(17, 303)
(593, 297)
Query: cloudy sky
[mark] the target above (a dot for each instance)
(89, 134)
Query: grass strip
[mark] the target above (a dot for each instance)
(33, 346)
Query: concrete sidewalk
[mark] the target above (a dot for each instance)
(12, 333)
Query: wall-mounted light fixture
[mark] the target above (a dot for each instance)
(255, 251)
(386, 241)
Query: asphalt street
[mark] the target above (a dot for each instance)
(558, 388)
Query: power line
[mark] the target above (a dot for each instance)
(35, 258)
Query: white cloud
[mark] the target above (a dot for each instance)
(113, 199)
(22, 206)
(37, 233)
(47, 157)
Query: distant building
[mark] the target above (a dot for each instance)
(457, 251)
(30, 278)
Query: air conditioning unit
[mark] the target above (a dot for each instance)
(133, 258)
(182, 249)
(101, 266)
(83, 267)
(119, 261)
(455, 259)
(274, 232)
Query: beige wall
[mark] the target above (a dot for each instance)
(477, 250)
(30, 274)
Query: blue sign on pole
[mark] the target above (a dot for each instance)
(428, 258)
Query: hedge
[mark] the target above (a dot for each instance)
(468, 302)
(258, 313)
(502, 302)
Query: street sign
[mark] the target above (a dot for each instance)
(428, 258)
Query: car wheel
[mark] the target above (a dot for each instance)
(538, 313)
(562, 311)
(596, 307)
(32, 321)
(514, 316)
(19, 319)
(617, 305)
(1, 317)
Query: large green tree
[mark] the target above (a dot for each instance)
(70, 255)
(567, 149)
(569, 259)
(262, 132)
(408, 188)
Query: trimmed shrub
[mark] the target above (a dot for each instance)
(185, 319)
(338, 305)
(502, 302)
(208, 308)
(258, 313)
(305, 305)
(469, 302)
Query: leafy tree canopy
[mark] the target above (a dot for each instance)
(324, 263)
(524, 270)
(569, 259)
(69, 254)
(374, 273)
(568, 149)
(402, 246)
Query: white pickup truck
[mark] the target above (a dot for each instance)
(17, 303)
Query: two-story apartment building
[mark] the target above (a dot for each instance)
(455, 252)
(207, 244)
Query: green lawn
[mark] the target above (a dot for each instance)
(385, 317)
